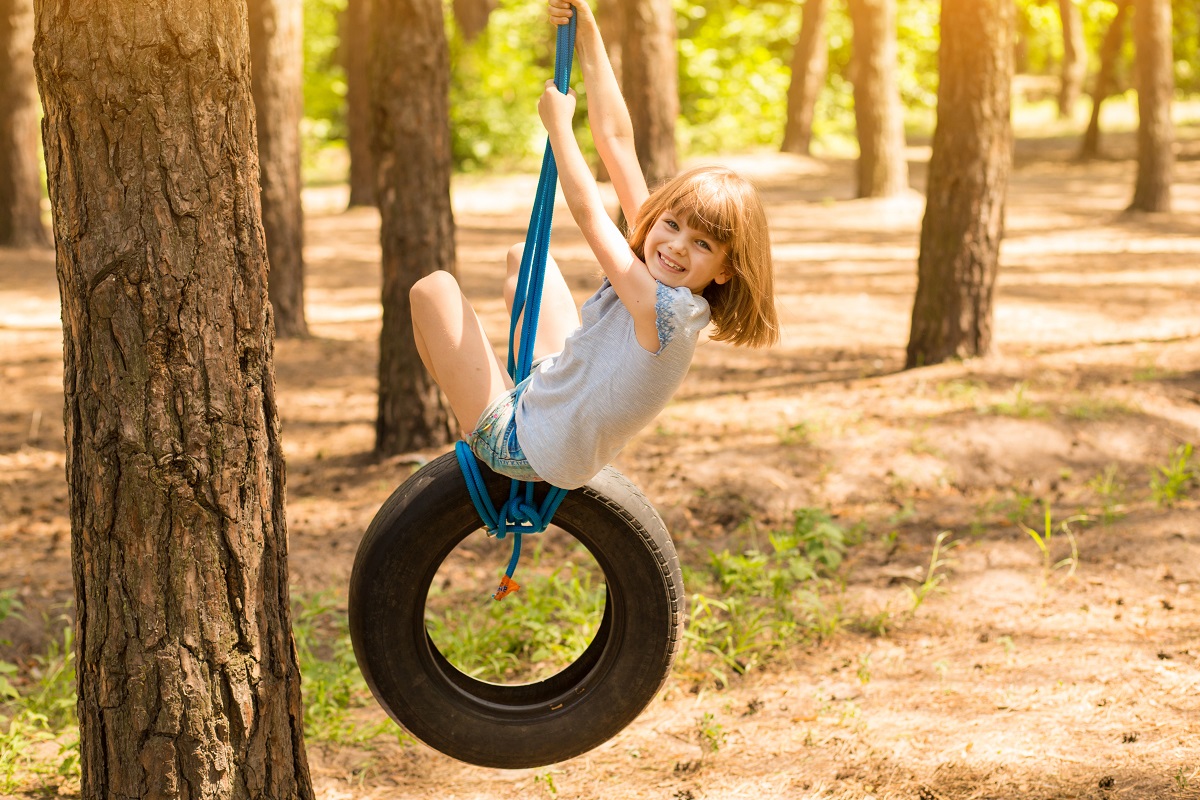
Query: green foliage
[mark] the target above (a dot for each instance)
(532, 634)
(324, 74)
(1043, 538)
(709, 733)
(935, 573)
(1170, 484)
(733, 72)
(39, 742)
(767, 600)
(1110, 489)
(494, 85)
(331, 683)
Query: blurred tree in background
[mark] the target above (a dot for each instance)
(734, 71)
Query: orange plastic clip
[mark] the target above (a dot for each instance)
(507, 587)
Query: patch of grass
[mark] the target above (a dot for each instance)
(798, 435)
(961, 390)
(534, 633)
(331, 683)
(754, 604)
(935, 573)
(1111, 491)
(1171, 483)
(1091, 409)
(1018, 404)
(1014, 508)
(1043, 538)
(39, 739)
(710, 733)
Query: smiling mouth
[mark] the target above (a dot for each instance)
(669, 264)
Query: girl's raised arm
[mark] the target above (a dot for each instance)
(608, 115)
(627, 274)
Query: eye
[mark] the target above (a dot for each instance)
(704, 245)
(672, 224)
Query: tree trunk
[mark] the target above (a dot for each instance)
(651, 84)
(276, 48)
(355, 45)
(20, 183)
(187, 678)
(882, 169)
(968, 180)
(1074, 66)
(410, 116)
(810, 60)
(1155, 79)
(472, 16)
(1110, 51)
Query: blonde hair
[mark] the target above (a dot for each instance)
(727, 208)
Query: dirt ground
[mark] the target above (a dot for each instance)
(1008, 683)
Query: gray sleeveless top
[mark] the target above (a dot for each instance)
(581, 407)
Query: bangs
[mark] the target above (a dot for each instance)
(709, 206)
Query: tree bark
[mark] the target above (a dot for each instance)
(410, 115)
(1110, 51)
(355, 45)
(472, 16)
(810, 61)
(188, 684)
(651, 84)
(1155, 79)
(20, 183)
(1074, 65)
(277, 52)
(882, 169)
(968, 181)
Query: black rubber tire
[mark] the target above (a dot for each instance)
(527, 725)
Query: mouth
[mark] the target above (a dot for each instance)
(670, 264)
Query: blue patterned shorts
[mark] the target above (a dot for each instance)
(494, 440)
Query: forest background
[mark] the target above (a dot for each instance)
(733, 81)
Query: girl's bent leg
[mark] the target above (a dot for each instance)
(455, 348)
(558, 317)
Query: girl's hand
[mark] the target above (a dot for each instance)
(556, 109)
(560, 11)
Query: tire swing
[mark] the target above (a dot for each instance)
(416, 529)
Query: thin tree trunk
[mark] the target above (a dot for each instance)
(968, 181)
(1110, 51)
(1074, 66)
(355, 44)
(810, 60)
(882, 169)
(410, 115)
(276, 47)
(651, 84)
(472, 16)
(20, 183)
(1155, 78)
(188, 684)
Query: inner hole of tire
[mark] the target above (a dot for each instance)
(532, 633)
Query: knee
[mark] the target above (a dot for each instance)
(514, 257)
(432, 288)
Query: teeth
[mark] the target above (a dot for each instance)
(669, 264)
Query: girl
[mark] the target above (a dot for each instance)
(698, 251)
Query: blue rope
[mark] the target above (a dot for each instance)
(520, 514)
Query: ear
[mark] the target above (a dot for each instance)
(725, 275)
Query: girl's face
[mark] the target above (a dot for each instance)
(680, 255)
